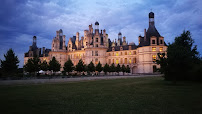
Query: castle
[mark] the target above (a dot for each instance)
(95, 46)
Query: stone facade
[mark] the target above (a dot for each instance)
(95, 46)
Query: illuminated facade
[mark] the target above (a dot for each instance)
(95, 46)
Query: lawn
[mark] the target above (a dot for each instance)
(136, 95)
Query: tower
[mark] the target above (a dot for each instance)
(151, 19)
(77, 40)
(119, 39)
(61, 39)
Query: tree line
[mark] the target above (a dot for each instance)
(34, 65)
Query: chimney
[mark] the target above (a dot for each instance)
(144, 34)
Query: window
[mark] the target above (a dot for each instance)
(129, 53)
(112, 54)
(161, 49)
(125, 61)
(109, 61)
(125, 53)
(96, 61)
(113, 60)
(161, 41)
(109, 54)
(121, 61)
(69, 45)
(130, 60)
(154, 57)
(96, 53)
(134, 52)
(96, 45)
(134, 60)
(92, 53)
(121, 53)
(96, 39)
(117, 61)
(153, 48)
(117, 54)
(153, 42)
(86, 43)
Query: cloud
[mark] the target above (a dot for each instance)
(21, 20)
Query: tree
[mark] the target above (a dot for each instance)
(162, 61)
(112, 68)
(128, 69)
(123, 69)
(32, 65)
(91, 67)
(10, 64)
(99, 67)
(118, 68)
(182, 56)
(44, 66)
(54, 65)
(106, 68)
(68, 66)
(80, 66)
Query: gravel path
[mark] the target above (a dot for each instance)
(59, 80)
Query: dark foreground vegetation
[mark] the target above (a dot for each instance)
(137, 95)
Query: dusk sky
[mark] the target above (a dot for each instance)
(20, 20)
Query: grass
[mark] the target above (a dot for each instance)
(137, 95)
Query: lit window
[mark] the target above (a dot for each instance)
(117, 54)
(161, 49)
(134, 60)
(96, 61)
(113, 60)
(125, 61)
(154, 57)
(117, 61)
(130, 60)
(153, 48)
(112, 54)
(125, 53)
(161, 55)
(134, 52)
(129, 53)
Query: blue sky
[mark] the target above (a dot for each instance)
(20, 20)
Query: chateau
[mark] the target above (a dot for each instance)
(95, 46)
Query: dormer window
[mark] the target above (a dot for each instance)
(113, 49)
(161, 41)
(153, 41)
(121, 48)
